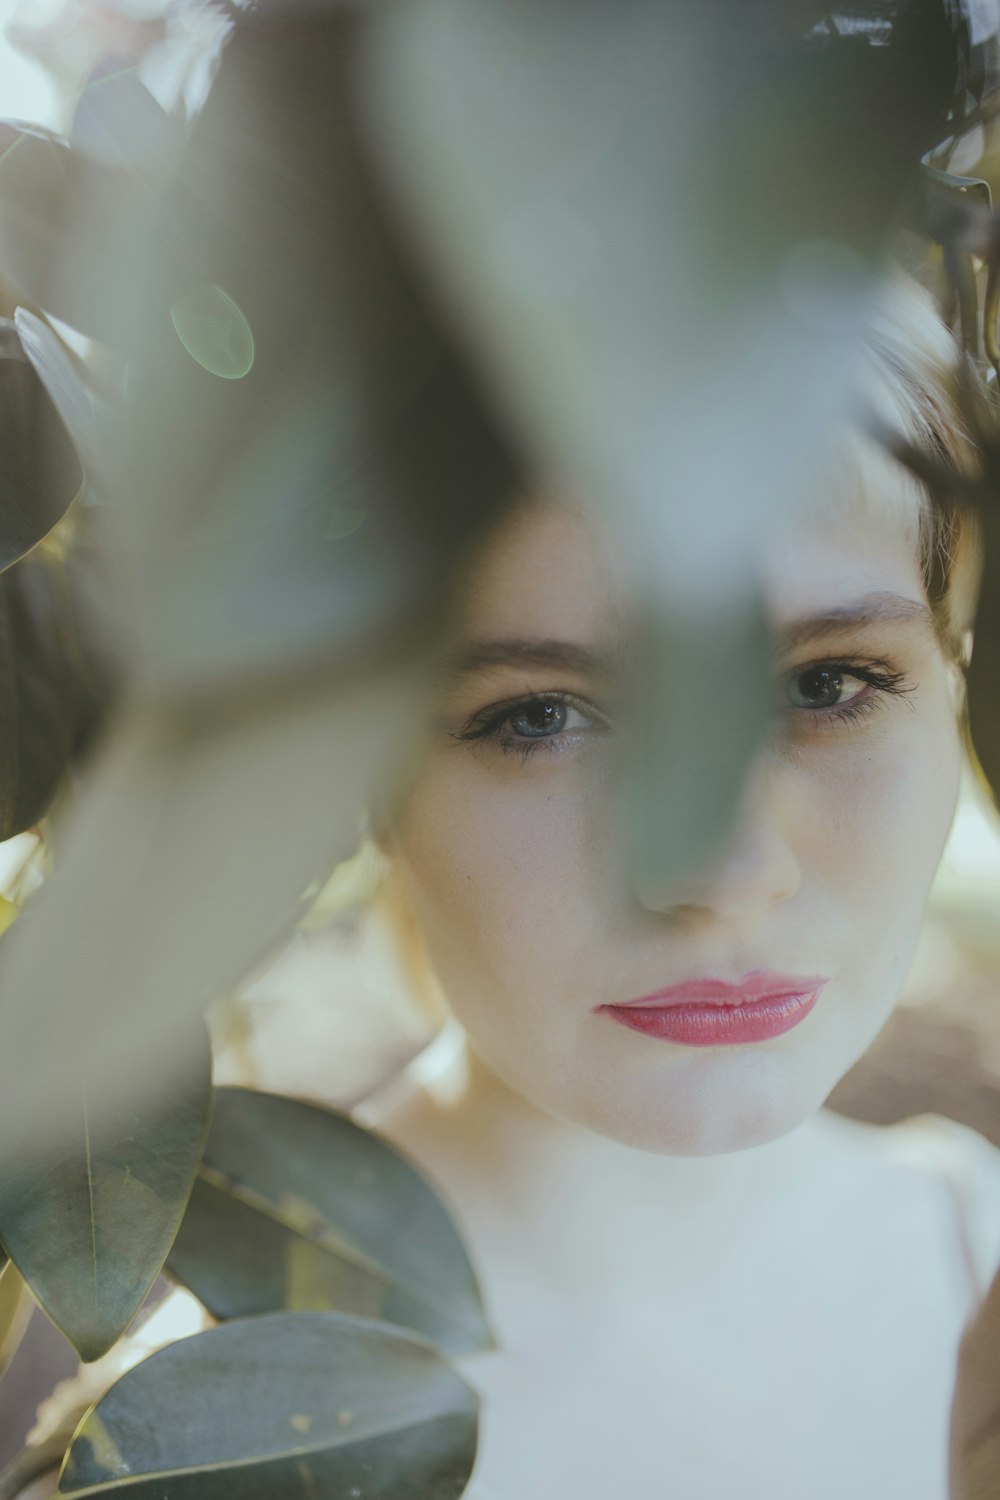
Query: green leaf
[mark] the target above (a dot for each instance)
(286, 1405)
(15, 1311)
(63, 379)
(88, 1221)
(53, 686)
(41, 474)
(298, 1207)
(601, 243)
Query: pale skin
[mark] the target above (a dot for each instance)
(630, 1202)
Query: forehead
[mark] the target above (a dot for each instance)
(554, 572)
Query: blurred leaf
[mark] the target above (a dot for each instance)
(36, 171)
(289, 1406)
(73, 231)
(298, 1207)
(62, 379)
(89, 1224)
(118, 121)
(15, 1310)
(182, 865)
(285, 546)
(338, 457)
(41, 474)
(53, 687)
(663, 258)
(677, 658)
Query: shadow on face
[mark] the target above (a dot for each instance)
(508, 849)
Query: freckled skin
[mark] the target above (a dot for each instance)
(510, 863)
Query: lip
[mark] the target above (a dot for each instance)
(714, 1012)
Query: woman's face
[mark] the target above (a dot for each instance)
(508, 850)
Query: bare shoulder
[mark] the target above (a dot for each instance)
(928, 1158)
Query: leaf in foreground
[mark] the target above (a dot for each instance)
(53, 687)
(88, 1222)
(15, 1311)
(41, 472)
(286, 1405)
(297, 1207)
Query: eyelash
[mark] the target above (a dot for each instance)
(488, 723)
(887, 681)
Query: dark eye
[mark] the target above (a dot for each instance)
(539, 719)
(823, 687)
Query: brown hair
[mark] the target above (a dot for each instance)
(911, 384)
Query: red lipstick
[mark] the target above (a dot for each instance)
(712, 1013)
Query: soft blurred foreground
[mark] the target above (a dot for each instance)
(312, 304)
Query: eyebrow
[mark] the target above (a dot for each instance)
(479, 656)
(873, 609)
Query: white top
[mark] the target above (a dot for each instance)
(837, 1388)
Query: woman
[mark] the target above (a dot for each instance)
(702, 1284)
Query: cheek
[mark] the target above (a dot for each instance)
(502, 868)
(878, 823)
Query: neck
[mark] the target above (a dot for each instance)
(490, 1148)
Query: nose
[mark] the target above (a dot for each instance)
(755, 869)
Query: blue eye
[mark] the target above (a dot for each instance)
(824, 687)
(841, 691)
(525, 724)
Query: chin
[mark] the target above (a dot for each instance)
(717, 1138)
(747, 1096)
(760, 1104)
